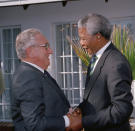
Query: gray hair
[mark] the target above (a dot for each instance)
(95, 23)
(24, 40)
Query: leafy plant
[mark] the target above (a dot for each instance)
(80, 52)
(124, 42)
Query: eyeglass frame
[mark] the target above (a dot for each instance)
(46, 46)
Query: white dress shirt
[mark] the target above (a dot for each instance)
(34, 65)
(100, 52)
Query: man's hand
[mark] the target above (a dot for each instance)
(68, 129)
(75, 120)
(77, 111)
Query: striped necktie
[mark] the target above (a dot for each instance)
(92, 63)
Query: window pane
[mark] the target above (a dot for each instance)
(68, 80)
(7, 111)
(74, 31)
(76, 64)
(0, 54)
(1, 114)
(83, 79)
(66, 32)
(7, 65)
(67, 61)
(7, 36)
(76, 96)
(0, 98)
(59, 45)
(60, 66)
(69, 95)
(76, 80)
(6, 96)
(7, 50)
(16, 31)
(61, 80)
(14, 52)
(76, 93)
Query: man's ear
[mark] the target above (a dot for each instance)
(98, 35)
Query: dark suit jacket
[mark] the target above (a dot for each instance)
(38, 104)
(107, 97)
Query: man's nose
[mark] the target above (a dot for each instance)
(82, 43)
(50, 51)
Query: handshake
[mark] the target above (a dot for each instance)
(75, 118)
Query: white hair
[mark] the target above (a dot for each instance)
(24, 40)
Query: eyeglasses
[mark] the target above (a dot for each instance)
(46, 46)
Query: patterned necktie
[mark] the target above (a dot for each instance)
(92, 63)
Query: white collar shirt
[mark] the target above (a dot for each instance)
(100, 52)
(34, 65)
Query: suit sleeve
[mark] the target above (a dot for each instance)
(120, 108)
(32, 107)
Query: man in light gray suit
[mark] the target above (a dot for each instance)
(38, 103)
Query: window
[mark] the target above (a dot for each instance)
(8, 59)
(70, 75)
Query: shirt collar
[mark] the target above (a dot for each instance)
(101, 51)
(34, 65)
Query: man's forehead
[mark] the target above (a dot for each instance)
(82, 31)
(41, 38)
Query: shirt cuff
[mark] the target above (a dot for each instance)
(67, 122)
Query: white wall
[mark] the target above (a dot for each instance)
(44, 16)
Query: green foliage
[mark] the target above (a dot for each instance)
(124, 42)
(80, 52)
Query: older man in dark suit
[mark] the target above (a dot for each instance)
(38, 103)
(107, 103)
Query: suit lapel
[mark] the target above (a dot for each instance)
(92, 80)
(50, 80)
(55, 86)
(87, 76)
